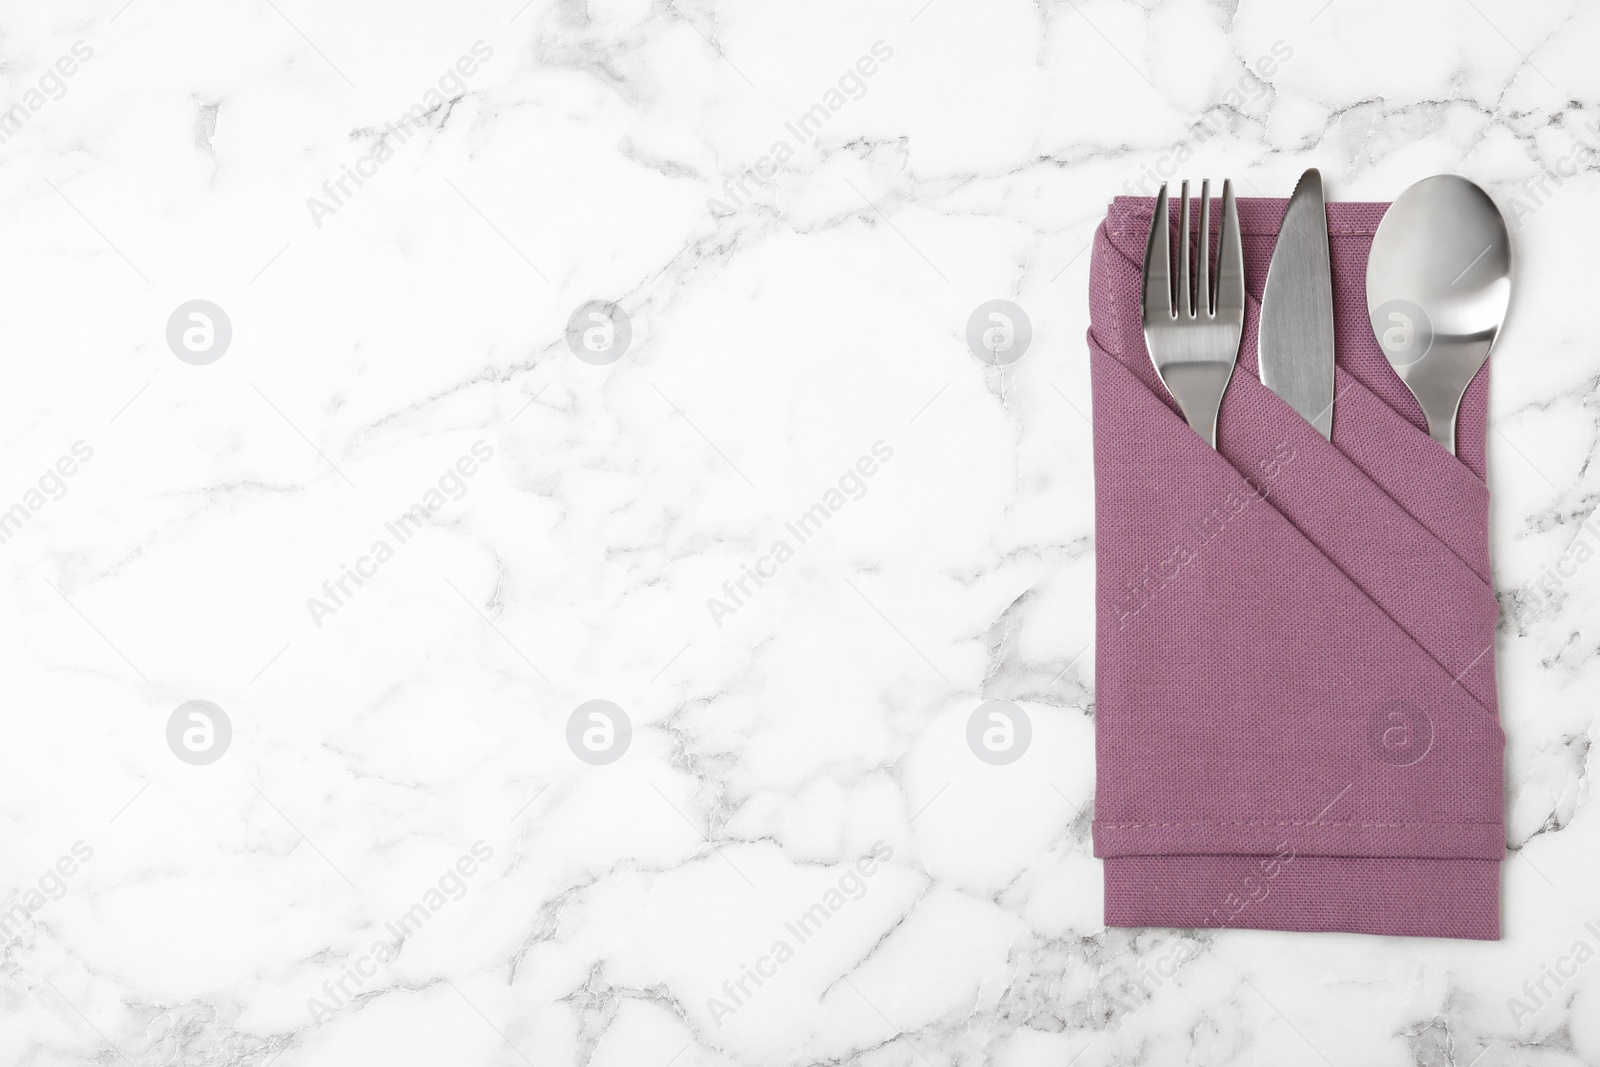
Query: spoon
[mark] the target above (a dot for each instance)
(1438, 284)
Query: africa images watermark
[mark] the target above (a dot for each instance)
(52, 85)
(1136, 593)
(1537, 992)
(1538, 192)
(450, 87)
(1545, 590)
(851, 85)
(852, 485)
(52, 485)
(1152, 979)
(850, 886)
(51, 885)
(361, 972)
(1249, 88)
(337, 592)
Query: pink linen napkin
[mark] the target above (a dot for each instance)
(1296, 717)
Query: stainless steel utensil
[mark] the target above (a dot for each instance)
(1195, 344)
(1438, 284)
(1295, 338)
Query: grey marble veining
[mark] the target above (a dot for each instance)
(417, 512)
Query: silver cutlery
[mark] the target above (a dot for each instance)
(1438, 285)
(1194, 342)
(1295, 337)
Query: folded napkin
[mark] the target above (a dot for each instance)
(1296, 722)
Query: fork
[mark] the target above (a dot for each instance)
(1195, 347)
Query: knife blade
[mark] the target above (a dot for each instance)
(1295, 336)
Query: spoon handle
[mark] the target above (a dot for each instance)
(1440, 383)
(1442, 428)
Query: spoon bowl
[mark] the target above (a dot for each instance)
(1438, 285)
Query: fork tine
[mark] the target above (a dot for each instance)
(1202, 289)
(1230, 258)
(1185, 306)
(1192, 337)
(1158, 264)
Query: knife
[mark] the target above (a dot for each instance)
(1295, 337)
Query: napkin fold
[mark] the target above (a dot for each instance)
(1296, 715)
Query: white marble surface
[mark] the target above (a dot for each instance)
(776, 339)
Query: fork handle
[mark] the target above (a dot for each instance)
(1198, 389)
